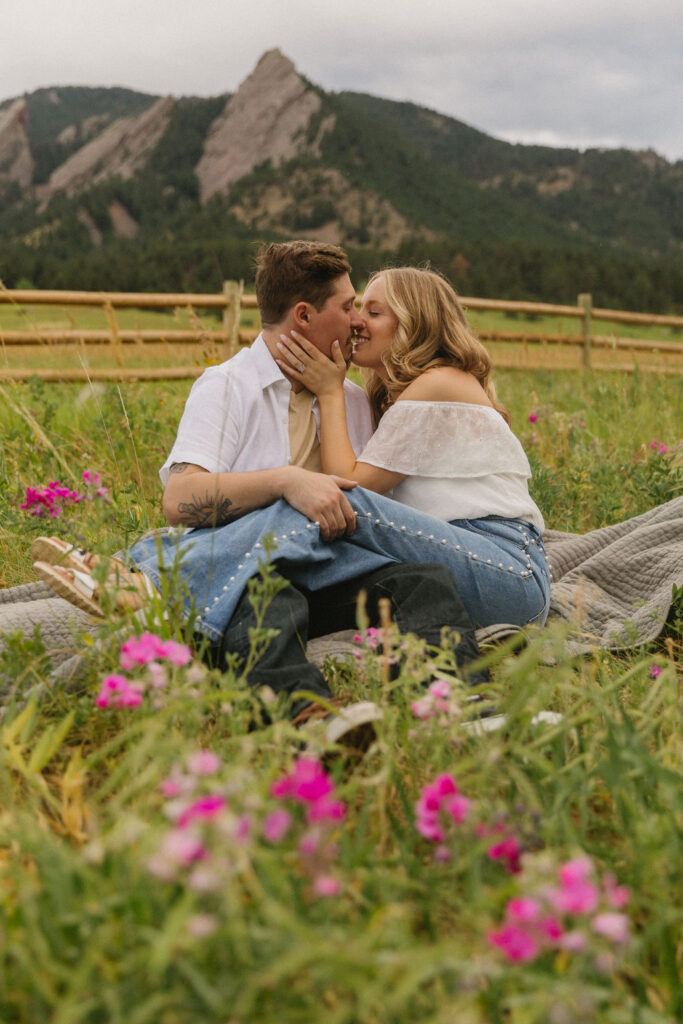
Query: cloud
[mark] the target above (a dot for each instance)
(537, 69)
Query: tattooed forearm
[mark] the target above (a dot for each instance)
(178, 467)
(211, 510)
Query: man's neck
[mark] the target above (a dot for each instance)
(271, 337)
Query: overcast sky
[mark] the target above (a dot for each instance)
(582, 73)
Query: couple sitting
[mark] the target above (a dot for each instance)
(277, 442)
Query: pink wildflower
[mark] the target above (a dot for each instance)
(205, 807)
(533, 415)
(517, 944)
(51, 500)
(182, 847)
(613, 926)
(276, 825)
(441, 797)
(177, 654)
(658, 447)
(139, 651)
(509, 851)
(524, 909)
(655, 671)
(307, 782)
(617, 895)
(118, 691)
(203, 762)
(326, 885)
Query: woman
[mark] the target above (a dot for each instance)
(443, 443)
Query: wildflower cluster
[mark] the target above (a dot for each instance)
(218, 827)
(157, 657)
(50, 501)
(310, 794)
(440, 807)
(207, 840)
(576, 913)
(438, 702)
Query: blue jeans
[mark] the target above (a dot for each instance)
(499, 565)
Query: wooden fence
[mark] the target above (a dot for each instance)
(231, 335)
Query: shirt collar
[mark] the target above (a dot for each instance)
(267, 370)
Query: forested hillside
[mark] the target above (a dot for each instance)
(391, 181)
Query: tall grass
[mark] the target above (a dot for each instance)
(93, 930)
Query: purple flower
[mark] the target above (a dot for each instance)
(655, 671)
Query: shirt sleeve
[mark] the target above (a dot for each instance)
(210, 428)
(445, 439)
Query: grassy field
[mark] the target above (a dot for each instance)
(175, 861)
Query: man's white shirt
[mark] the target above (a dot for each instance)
(236, 418)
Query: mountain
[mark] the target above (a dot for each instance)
(111, 188)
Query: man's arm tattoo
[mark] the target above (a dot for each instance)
(177, 467)
(211, 510)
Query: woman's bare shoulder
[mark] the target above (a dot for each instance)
(445, 384)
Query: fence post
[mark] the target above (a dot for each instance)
(114, 332)
(231, 315)
(585, 301)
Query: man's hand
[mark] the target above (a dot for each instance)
(322, 500)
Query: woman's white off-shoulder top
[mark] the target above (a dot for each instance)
(461, 461)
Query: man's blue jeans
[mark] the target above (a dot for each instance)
(499, 565)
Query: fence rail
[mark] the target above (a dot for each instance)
(231, 301)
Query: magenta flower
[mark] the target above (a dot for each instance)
(533, 415)
(438, 802)
(509, 851)
(148, 648)
(326, 809)
(118, 691)
(655, 671)
(306, 783)
(658, 447)
(206, 807)
(517, 944)
(276, 825)
(51, 500)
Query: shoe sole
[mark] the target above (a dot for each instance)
(66, 588)
(56, 552)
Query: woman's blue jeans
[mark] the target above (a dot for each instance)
(499, 565)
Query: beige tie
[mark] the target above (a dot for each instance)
(304, 446)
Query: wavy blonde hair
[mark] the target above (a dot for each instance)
(432, 331)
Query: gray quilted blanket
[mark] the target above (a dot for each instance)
(614, 585)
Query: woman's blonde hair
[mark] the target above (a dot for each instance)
(432, 331)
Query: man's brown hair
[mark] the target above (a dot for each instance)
(291, 272)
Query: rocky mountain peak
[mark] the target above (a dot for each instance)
(121, 149)
(264, 120)
(16, 162)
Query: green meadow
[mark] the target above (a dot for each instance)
(158, 864)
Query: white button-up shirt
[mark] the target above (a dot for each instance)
(236, 418)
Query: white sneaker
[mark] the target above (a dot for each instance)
(493, 723)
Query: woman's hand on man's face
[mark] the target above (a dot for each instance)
(303, 362)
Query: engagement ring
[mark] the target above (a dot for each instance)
(301, 367)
